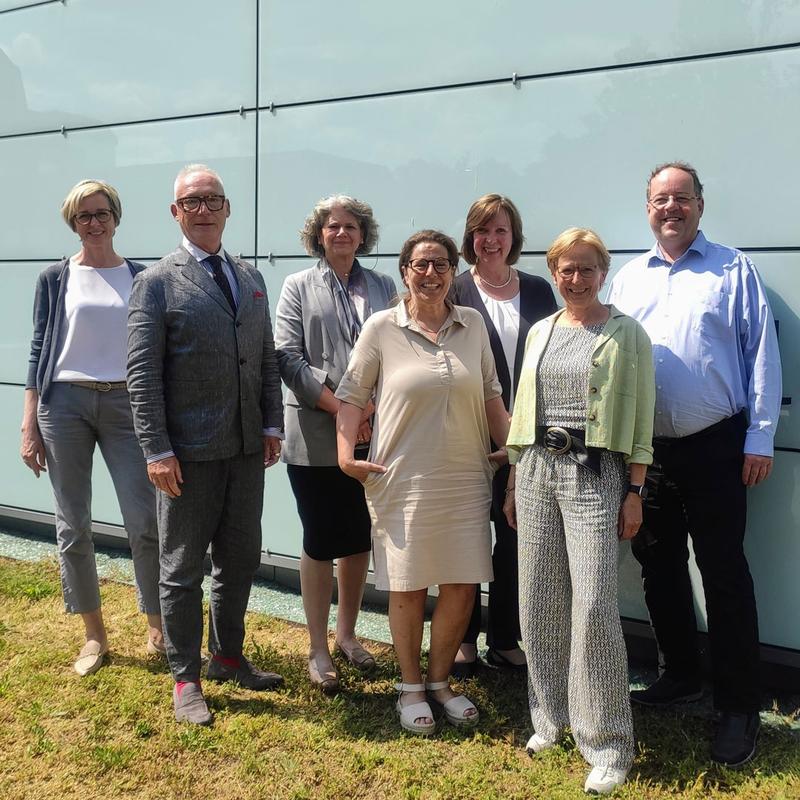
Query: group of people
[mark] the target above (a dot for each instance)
(409, 423)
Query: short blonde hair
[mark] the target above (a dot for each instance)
(567, 239)
(315, 221)
(82, 190)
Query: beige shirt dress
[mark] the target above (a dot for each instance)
(430, 509)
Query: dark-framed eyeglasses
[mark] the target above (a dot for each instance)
(102, 216)
(213, 202)
(662, 200)
(420, 265)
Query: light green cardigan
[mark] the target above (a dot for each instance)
(621, 392)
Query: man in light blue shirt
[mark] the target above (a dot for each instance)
(718, 395)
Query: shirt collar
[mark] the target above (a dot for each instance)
(198, 254)
(455, 315)
(655, 256)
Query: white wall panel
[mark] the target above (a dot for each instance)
(569, 151)
(141, 161)
(313, 50)
(91, 62)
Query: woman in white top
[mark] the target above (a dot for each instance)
(75, 398)
(510, 302)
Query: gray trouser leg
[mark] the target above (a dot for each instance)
(69, 439)
(595, 667)
(135, 493)
(220, 506)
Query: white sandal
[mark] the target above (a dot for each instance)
(455, 709)
(411, 713)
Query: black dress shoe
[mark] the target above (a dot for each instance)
(666, 691)
(246, 675)
(735, 742)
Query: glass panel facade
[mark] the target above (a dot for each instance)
(64, 64)
(311, 50)
(421, 158)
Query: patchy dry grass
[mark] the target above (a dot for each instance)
(111, 735)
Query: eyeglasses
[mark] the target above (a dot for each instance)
(213, 202)
(568, 273)
(102, 216)
(662, 200)
(420, 265)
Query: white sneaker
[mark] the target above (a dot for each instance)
(538, 743)
(603, 780)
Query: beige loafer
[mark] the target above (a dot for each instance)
(358, 657)
(90, 658)
(154, 649)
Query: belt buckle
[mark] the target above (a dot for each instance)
(102, 386)
(558, 449)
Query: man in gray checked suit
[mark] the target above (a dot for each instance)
(206, 398)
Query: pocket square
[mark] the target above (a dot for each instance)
(256, 295)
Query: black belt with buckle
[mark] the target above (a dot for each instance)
(101, 386)
(569, 442)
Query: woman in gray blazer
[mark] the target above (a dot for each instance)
(76, 398)
(318, 319)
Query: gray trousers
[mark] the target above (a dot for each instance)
(220, 505)
(577, 664)
(73, 421)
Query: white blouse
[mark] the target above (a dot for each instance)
(95, 342)
(504, 315)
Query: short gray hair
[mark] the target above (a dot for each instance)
(191, 168)
(362, 211)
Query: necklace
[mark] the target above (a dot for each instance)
(496, 285)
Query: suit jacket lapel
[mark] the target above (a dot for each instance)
(325, 299)
(198, 275)
(246, 286)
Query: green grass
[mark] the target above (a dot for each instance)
(111, 735)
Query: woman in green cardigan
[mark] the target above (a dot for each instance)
(580, 441)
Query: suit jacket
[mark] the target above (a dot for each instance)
(203, 380)
(536, 301)
(312, 353)
(48, 321)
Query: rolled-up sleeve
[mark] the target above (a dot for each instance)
(358, 383)
(491, 383)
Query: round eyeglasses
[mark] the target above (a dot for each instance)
(420, 265)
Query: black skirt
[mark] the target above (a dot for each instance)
(333, 511)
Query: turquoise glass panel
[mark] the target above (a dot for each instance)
(313, 50)
(18, 5)
(141, 161)
(568, 151)
(91, 62)
(16, 312)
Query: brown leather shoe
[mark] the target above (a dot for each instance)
(357, 657)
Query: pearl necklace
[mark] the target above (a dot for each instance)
(496, 285)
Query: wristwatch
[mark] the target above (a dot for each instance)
(638, 488)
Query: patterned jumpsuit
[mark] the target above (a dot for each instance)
(567, 529)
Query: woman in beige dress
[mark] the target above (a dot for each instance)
(428, 474)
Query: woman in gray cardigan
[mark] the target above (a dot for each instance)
(317, 321)
(75, 398)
